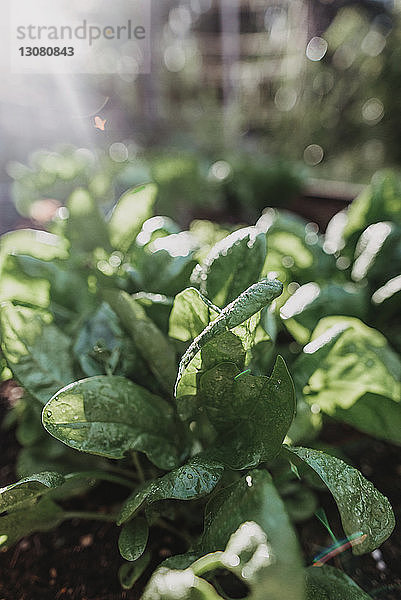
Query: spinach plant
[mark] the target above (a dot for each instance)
(94, 317)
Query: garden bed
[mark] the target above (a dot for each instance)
(79, 560)
(99, 370)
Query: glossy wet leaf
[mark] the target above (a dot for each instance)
(251, 414)
(43, 516)
(133, 539)
(242, 316)
(16, 495)
(132, 209)
(225, 346)
(37, 351)
(195, 479)
(362, 507)
(353, 375)
(109, 416)
(278, 573)
(328, 583)
(150, 342)
(232, 265)
(130, 572)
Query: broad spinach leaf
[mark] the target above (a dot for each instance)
(251, 414)
(362, 507)
(111, 415)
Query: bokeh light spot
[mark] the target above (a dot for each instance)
(316, 48)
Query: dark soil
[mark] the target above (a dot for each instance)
(80, 560)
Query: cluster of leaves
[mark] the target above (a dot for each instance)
(94, 316)
(185, 180)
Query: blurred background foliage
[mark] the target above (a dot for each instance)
(246, 101)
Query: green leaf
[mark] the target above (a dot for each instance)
(130, 572)
(109, 416)
(378, 202)
(43, 516)
(26, 246)
(86, 228)
(351, 373)
(18, 494)
(150, 342)
(362, 507)
(328, 583)
(232, 265)
(103, 348)
(312, 302)
(251, 414)
(294, 252)
(195, 479)
(165, 270)
(133, 539)
(157, 307)
(191, 313)
(31, 242)
(242, 316)
(377, 254)
(64, 279)
(37, 352)
(17, 287)
(278, 573)
(225, 346)
(133, 208)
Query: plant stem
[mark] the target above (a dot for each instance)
(92, 516)
(207, 563)
(121, 471)
(138, 466)
(102, 477)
